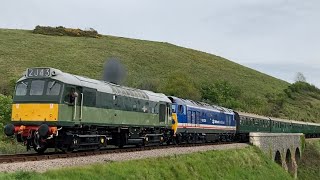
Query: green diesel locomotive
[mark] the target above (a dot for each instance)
(76, 112)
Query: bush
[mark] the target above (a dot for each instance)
(302, 86)
(7, 87)
(62, 31)
(5, 108)
(222, 93)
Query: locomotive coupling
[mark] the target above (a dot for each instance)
(9, 129)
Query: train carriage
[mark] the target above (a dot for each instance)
(252, 123)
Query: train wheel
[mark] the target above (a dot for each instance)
(39, 143)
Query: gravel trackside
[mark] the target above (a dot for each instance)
(44, 165)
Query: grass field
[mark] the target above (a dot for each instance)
(248, 163)
(147, 62)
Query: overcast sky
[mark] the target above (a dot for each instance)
(277, 37)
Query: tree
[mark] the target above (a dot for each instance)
(300, 77)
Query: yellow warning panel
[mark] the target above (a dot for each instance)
(35, 112)
(175, 124)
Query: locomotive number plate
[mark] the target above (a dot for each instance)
(38, 72)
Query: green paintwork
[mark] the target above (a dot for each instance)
(93, 115)
(249, 124)
(254, 125)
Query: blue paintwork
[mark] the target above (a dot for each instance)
(202, 114)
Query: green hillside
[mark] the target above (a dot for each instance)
(158, 66)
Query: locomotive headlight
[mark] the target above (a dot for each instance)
(9, 129)
(43, 130)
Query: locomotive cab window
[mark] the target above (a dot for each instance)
(38, 90)
(173, 106)
(21, 88)
(70, 95)
(180, 109)
(37, 87)
(53, 88)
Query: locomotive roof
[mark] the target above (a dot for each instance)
(102, 86)
(201, 105)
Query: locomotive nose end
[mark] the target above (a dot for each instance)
(9, 129)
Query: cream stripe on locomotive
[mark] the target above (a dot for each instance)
(202, 126)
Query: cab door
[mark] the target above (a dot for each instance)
(193, 119)
(71, 110)
(87, 106)
(197, 119)
(169, 114)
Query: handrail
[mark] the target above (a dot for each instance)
(75, 108)
(81, 108)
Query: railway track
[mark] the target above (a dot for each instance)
(12, 158)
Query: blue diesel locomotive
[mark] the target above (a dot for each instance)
(198, 121)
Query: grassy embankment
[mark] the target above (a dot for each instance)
(248, 163)
(309, 166)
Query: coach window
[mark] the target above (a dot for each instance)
(37, 87)
(21, 89)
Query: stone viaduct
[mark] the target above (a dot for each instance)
(285, 149)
